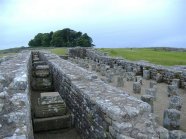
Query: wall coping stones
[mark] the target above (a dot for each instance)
(15, 114)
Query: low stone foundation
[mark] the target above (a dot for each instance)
(100, 110)
(156, 72)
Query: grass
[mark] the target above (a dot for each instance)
(59, 51)
(161, 57)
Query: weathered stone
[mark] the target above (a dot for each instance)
(177, 134)
(120, 81)
(137, 87)
(3, 95)
(163, 133)
(44, 84)
(139, 79)
(50, 104)
(52, 123)
(34, 64)
(176, 82)
(172, 90)
(159, 78)
(41, 71)
(146, 74)
(175, 102)
(130, 76)
(141, 136)
(152, 84)
(93, 67)
(1, 106)
(152, 92)
(129, 68)
(171, 119)
(120, 136)
(19, 82)
(149, 99)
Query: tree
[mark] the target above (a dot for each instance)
(61, 38)
(84, 41)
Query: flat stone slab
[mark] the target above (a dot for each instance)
(50, 104)
(42, 84)
(41, 71)
(52, 123)
(51, 98)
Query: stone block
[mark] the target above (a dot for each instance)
(176, 82)
(159, 78)
(42, 84)
(172, 90)
(130, 76)
(34, 64)
(163, 133)
(177, 134)
(152, 84)
(148, 99)
(120, 81)
(41, 71)
(146, 74)
(171, 119)
(52, 123)
(129, 68)
(138, 79)
(93, 67)
(175, 102)
(137, 87)
(152, 92)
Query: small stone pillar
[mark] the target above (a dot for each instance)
(97, 67)
(172, 90)
(175, 102)
(152, 84)
(130, 76)
(146, 74)
(93, 67)
(137, 87)
(159, 78)
(149, 100)
(120, 81)
(176, 82)
(152, 92)
(138, 79)
(171, 119)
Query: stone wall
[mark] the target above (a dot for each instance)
(15, 114)
(100, 110)
(157, 72)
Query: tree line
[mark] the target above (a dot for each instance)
(61, 38)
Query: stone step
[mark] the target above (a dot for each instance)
(50, 110)
(41, 71)
(50, 104)
(52, 123)
(35, 59)
(36, 63)
(42, 84)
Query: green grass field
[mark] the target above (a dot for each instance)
(161, 57)
(59, 51)
(156, 56)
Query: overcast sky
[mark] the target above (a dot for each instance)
(110, 23)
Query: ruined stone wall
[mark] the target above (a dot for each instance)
(165, 74)
(15, 114)
(100, 110)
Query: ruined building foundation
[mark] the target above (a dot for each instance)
(99, 110)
